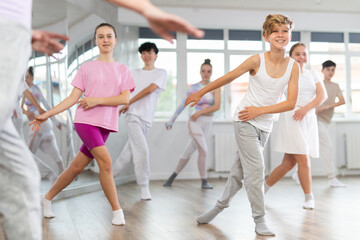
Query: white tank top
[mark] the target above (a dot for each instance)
(263, 91)
(17, 10)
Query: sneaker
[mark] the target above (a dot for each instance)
(295, 177)
(145, 193)
(309, 204)
(335, 183)
(205, 184)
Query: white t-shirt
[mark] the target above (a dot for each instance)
(145, 107)
(263, 91)
(307, 87)
(17, 10)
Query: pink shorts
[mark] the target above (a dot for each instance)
(91, 136)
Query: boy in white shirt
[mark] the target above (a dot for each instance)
(149, 82)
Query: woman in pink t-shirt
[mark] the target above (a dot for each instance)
(105, 84)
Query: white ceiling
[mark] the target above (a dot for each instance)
(345, 6)
(48, 12)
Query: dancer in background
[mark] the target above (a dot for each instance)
(270, 73)
(44, 139)
(199, 125)
(324, 114)
(105, 84)
(150, 82)
(297, 134)
(45, 170)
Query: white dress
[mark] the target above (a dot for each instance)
(300, 137)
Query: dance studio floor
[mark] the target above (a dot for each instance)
(171, 213)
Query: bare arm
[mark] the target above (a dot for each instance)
(252, 112)
(249, 65)
(161, 22)
(146, 91)
(214, 107)
(90, 102)
(33, 101)
(321, 96)
(65, 104)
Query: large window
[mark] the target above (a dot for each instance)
(228, 48)
(49, 74)
(330, 46)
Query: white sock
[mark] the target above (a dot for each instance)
(46, 207)
(309, 201)
(262, 229)
(118, 218)
(334, 182)
(309, 196)
(208, 216)
(145, 192)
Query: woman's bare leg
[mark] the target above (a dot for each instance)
(68, 175)
(279, 172)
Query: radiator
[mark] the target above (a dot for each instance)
(225, 150)
(353, 150)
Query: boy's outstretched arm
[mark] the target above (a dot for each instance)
(161, 23)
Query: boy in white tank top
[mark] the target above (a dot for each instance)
(269, 74)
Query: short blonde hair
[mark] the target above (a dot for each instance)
(276, 20)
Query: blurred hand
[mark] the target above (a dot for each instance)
(320, 109)
(193, 98)
(249, 113)
(300, 114)
(38, 121)
(124, 109)
(46, 42)
(88, 102)
(15, 114)
(195, 116)
(163, 23)
(168, 125)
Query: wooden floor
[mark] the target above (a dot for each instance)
(171, 214)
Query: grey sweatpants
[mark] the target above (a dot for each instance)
(20, 211)
(248, 167)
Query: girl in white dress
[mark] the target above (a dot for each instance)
(298, 131)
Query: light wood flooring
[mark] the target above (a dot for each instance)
(171, 214)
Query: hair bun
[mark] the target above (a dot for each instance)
(207, 61)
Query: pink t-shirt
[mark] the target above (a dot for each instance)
(100, 79)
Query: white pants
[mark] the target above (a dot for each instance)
(327, 153)
(136, 148)
(46, 141)
(199, 131)
(20, 211)
(249, 168)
